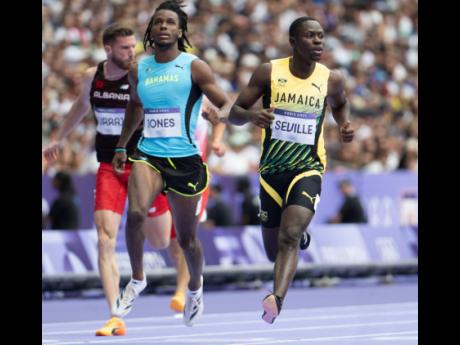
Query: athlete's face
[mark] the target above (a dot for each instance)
(165, 29)
(122, 51)
(308, 41)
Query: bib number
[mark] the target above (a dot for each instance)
(109, 120)
(162, 123)
(294, 126)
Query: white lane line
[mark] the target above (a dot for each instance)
(339, 337)
(396, 338)
(245, 322)
(263, 330)
(325, 310)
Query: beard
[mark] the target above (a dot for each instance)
(122, 64)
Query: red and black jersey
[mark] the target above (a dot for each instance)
(109, 99)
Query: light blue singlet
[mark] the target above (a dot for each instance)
(171, 106)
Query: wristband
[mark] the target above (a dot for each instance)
(120, 149)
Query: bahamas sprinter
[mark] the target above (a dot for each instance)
(166, 92)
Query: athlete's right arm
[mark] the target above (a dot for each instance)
(258, 84)
(133, 117)
(79, 109)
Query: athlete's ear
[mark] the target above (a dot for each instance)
(292, 41)
(108, 49)
(180, 33)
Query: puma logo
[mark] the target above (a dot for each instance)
(318, 87)
(191, 185)
(314, 200)
(181, 67)
(309, 197)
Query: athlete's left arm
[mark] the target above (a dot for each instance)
(338, 102)
(204, 77)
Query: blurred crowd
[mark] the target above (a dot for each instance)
(374, 43)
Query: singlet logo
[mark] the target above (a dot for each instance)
(111, 95)
(318, 87)
(282, 81)
(99, 84)
(298, 99)
(166, 78)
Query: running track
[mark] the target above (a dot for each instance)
(341, 315)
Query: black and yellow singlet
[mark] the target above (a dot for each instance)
(295, 139)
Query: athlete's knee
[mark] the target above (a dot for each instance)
(174, 249)
(158, 242)
(106, 237)
(136, 216)
(187, 241)
(105, 244)
(106, 226)
(289, 236)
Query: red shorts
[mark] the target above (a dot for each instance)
(112, 190)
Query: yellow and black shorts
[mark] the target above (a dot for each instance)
(186, 176)
(291, 188)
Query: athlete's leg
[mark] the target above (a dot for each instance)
(270, 216)
(157, 230)
(185, 218)
(144, 185)
(109, 204)
(107, 224)
(175, 251)
(294, 220)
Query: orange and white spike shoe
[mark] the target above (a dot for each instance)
(115, 326)
(177, 302)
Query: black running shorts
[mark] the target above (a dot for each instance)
(186, 176)
(281, 190)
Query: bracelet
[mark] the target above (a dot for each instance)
(120, 149)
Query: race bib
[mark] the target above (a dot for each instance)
(162, 123)
(293, 126)
(109, 120)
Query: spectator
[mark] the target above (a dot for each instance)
(409, 159)
(64, 212)
(218, 212)
(351, 210)
(250, 205)
(241, 158)
(375, 45)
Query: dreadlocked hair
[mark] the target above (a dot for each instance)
(175, 6)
